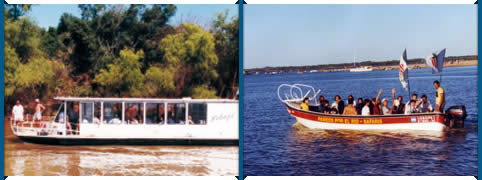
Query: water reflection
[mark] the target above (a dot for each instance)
(370, 151)
(42, 160)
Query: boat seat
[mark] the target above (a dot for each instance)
(314, 108)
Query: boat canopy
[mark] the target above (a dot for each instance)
(147, 100)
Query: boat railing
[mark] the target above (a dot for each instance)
(28, 124)
(297, 92)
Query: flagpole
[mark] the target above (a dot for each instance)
(440, 77)
(408, 82)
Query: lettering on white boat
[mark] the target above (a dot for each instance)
(350, 121)
(222, 117)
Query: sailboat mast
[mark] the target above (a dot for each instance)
(354, 56)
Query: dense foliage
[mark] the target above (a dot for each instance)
(119, 51)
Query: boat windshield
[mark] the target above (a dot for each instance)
(60, 117)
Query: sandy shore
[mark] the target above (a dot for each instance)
(417, 66)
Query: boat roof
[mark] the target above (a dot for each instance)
(148, 100)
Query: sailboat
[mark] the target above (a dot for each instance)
(361, 68)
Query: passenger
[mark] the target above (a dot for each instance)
(304, 105)
(351, 97)
(321, 99)
(39, 109)
(350, 109)
(338, 105)
(425, 105)
(372, 103)
(117, 114)
(327, 108)
(132, 114)
(366, 108)
(97, 113)
(189, 120)
(359, 105)
(73, 119)
(439, 97)
(398, 107)
(171, 114)
(411, 108)
(97, 119)
(17, 112)
(417, 101)
(385, 108)
(377, 108)
(161, 114)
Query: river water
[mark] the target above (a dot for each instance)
(275, 145)
(29, 159)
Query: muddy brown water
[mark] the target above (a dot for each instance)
(28, 159)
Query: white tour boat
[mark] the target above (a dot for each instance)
(142, 121)
(362, 69)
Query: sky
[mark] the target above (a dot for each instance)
(297, 35)
(47, 15)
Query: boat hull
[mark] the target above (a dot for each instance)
(72, 140)
(420, 121)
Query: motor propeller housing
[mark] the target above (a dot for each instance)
(455, 116)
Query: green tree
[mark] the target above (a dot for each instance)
(23, 36)
(36, 77)
(77, 34)
(191, 53)
(227, 48)
(50, 43)
(91, 11)
(14, 11)
(203, 92)
(159, 81)
(124, 76)
(11, 62)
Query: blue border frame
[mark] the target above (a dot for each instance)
(2, 97)
(241, 88)
(479, 85)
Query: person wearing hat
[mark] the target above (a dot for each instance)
(39, 108)
(385, 108)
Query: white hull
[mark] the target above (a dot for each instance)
(361, 70)
(221, 125)
(433, 126)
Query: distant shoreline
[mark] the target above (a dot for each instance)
(451, 61)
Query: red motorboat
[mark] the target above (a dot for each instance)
(454, 116)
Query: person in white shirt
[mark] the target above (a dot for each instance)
(425, 105)
(17, 111)
(417, 102)
(366, 108)
(411, 108)
(385, 108)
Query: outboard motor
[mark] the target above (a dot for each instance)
(455, 116)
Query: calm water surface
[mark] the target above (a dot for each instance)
(28, 159)
(275, 145)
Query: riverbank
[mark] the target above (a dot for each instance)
(418, 66)
(453, 61)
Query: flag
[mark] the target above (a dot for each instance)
(436, 61)
(404, 69)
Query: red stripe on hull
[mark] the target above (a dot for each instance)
(376, 119)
